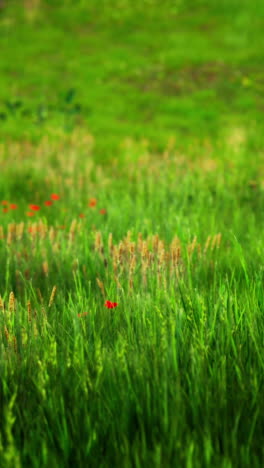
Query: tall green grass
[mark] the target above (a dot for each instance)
(173, 374)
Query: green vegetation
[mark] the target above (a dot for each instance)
(131, 160)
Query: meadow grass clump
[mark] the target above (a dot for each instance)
(130, 345)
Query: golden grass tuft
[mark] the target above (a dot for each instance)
(11, 335)
(152, 256)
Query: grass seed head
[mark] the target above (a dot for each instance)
(11, 302)
(216, 241)
(45, 268)
(144, 249)
(155, 242)
(101, 286)
(52, 296)
(207, 244)
(110, 242)
(121, 251)
(139, 242)
(132, 264)
(20, 230)
(29, 311)
(40, 295)
(6, 332)
(98, 241)
(132, 248)
(51, 234)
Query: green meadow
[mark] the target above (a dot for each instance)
(131, 234)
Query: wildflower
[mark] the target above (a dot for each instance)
(103, 211)
(110, 305)
(4, 202)
(82, 314)
(13, 206)
(92, 202)
(30, 213)
(48, 203)
(34, 207)
(81, 215)
(5, 210)
(54, 196)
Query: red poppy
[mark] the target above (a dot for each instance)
(110, 305)
(103, 211)
(34, 207)
(30, 213)
(13, 206)
(54, 196)
(81, 215)
(82, 314)
(92, 202)
(4, 202)
(5, 210)
(48, 203)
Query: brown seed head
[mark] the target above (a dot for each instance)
(11, 302)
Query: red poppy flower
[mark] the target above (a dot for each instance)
(82, 314)
(92, 202)
(48, 203)
(103, 211)
(30, 213)
(34, 207)
(110, 305)
(54, 196)
(13, 206)
(5, 210)
(81, 215)
(4, 202)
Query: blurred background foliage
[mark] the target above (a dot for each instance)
(143, 69)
